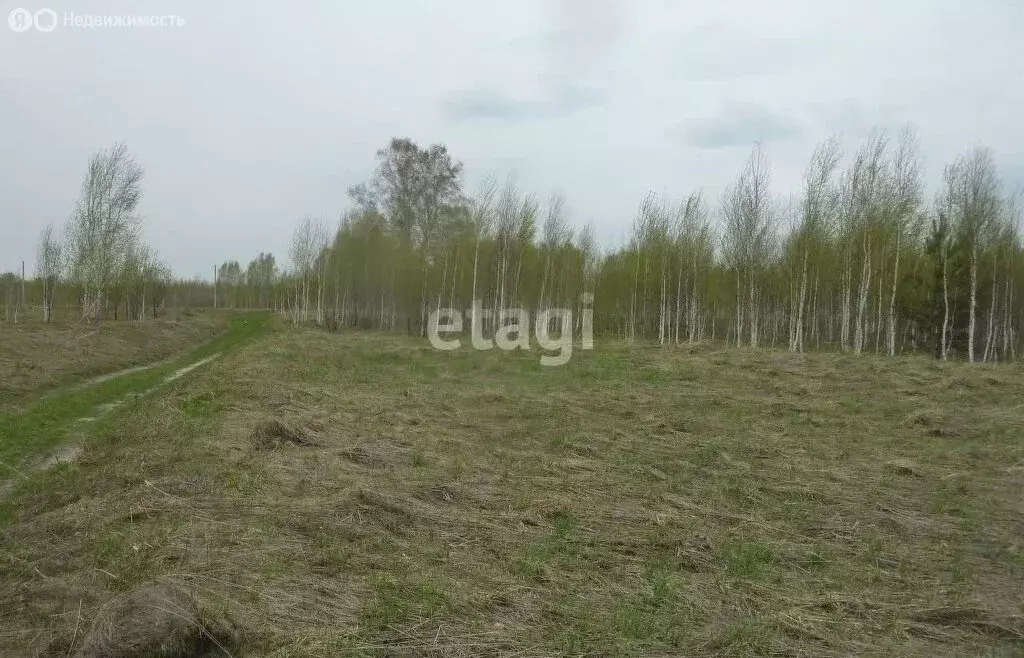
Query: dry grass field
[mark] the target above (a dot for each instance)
(310, 494)
(35, 357)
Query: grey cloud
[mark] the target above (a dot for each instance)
(560, 97)
(852, 118)
(740, 124)
(585, 32)
(489, 103)
(718, 52)
(581, 37)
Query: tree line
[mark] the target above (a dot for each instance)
(859, 260)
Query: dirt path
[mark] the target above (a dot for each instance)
(39, 360)
(120, 373)
(47, 432)
(141, 368)
(103, 409)
(177, 374)
(69, 452)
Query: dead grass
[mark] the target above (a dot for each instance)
(154, 620)
(273, 434)
(36, 357)
(359, 494)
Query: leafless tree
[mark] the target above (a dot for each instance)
(104, 225)
(49, 267)
(818, 212)
(750, 213)
(972, 196)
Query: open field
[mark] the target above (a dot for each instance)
(35, 357)
(309, 494)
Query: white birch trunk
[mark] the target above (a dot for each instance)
(945, 303)
(865, 287)
(798, 340)
(892, 298)
(974, 304)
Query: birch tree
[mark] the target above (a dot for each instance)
(49, 267)
(972, 198)
(903, 202)
(818, 214)
(750, 214)
(104, 225)
(303, 253)
(481, 218)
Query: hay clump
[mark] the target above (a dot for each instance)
(272, 434)
(155, 620)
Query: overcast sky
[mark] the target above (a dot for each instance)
(253, 113)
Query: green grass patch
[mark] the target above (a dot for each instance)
(43, 423)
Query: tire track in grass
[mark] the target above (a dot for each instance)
(104, 409)
(28, 434)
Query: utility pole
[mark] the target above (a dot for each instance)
(215, 286)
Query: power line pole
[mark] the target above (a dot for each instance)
(214, 286)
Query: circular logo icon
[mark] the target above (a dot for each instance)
(20, 20)
(45, 20)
